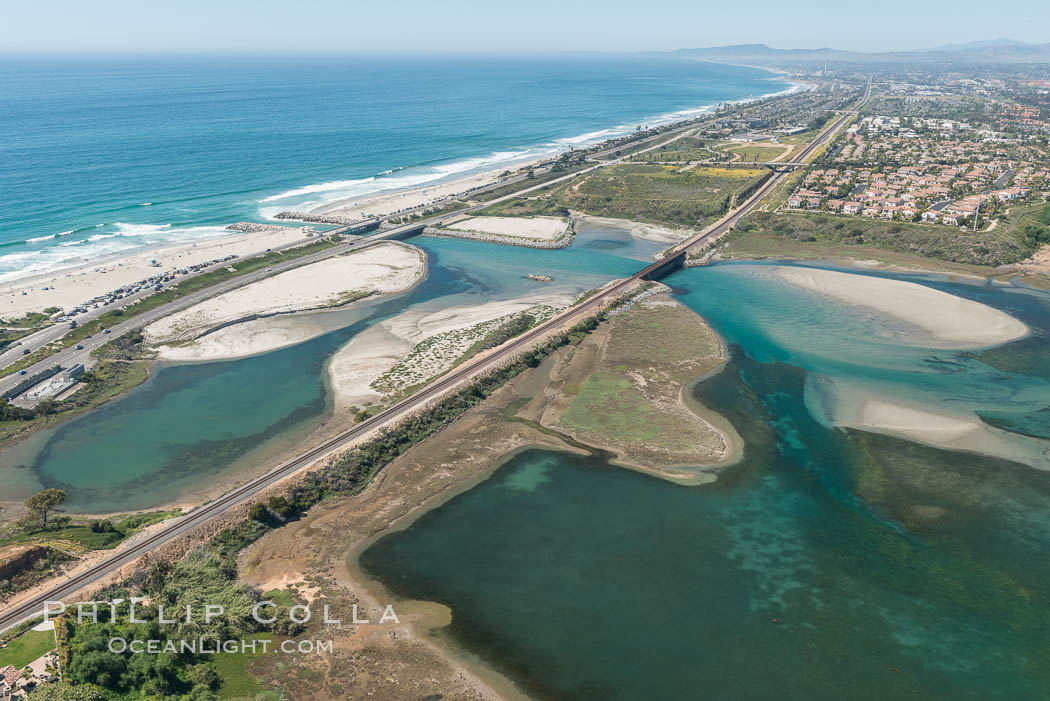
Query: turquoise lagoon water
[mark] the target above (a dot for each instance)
(190, 425)
(828, 564)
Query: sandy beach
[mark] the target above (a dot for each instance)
(386, 203)
(384, 268)
(75, 285)
(937, 319)
(538, 228)
(398, 342)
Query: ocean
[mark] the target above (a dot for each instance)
(100, 156)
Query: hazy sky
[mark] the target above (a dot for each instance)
(495, 26)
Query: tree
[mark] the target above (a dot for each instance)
(258, 512)
(43, 502)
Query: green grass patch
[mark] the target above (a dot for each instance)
(520, 185)
(684, 150)
(759, 153)
(526, 207)
(236, 681)
(611, 405)
(281, 597)
(13, 330)
(106, 534)
(861, 237)
(27, 647)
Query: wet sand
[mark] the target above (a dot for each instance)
(937, 319)
(385, 268)
(324, 547)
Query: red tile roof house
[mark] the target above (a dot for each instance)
(962, 207)
(835, 205)
(794, 202)
(9, 677)
(930, 216)
(851, 207)
(950, 220)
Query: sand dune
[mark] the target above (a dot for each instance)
(939, 319)
(449, 332)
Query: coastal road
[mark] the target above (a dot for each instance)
(421, 398)
(1001, 181)
(70, 356)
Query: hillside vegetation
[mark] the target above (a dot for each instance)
(1012, 240)
(659, 194)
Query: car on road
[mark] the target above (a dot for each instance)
(21, 372)
(26, 351)
(80, 347)
(105, 330)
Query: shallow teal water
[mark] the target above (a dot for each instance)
(191, 425)
(829, 564)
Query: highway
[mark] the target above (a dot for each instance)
(421, 398)
(70, 356)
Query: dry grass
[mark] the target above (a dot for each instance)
(630, 401)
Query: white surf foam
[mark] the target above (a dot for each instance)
(319, 187)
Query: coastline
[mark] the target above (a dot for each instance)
(328, 542)
(76, 284)
(456, 182)
(435, 627)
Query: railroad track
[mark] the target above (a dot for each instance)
(432, 391)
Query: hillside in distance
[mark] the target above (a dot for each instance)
(971, 53)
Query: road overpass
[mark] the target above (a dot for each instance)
(432, 391)
(71, 356)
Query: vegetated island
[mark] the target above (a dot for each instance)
(609, 382)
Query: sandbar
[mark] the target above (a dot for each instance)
(449, 332)
(847, 404)
(384, 268)
(937, 319)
